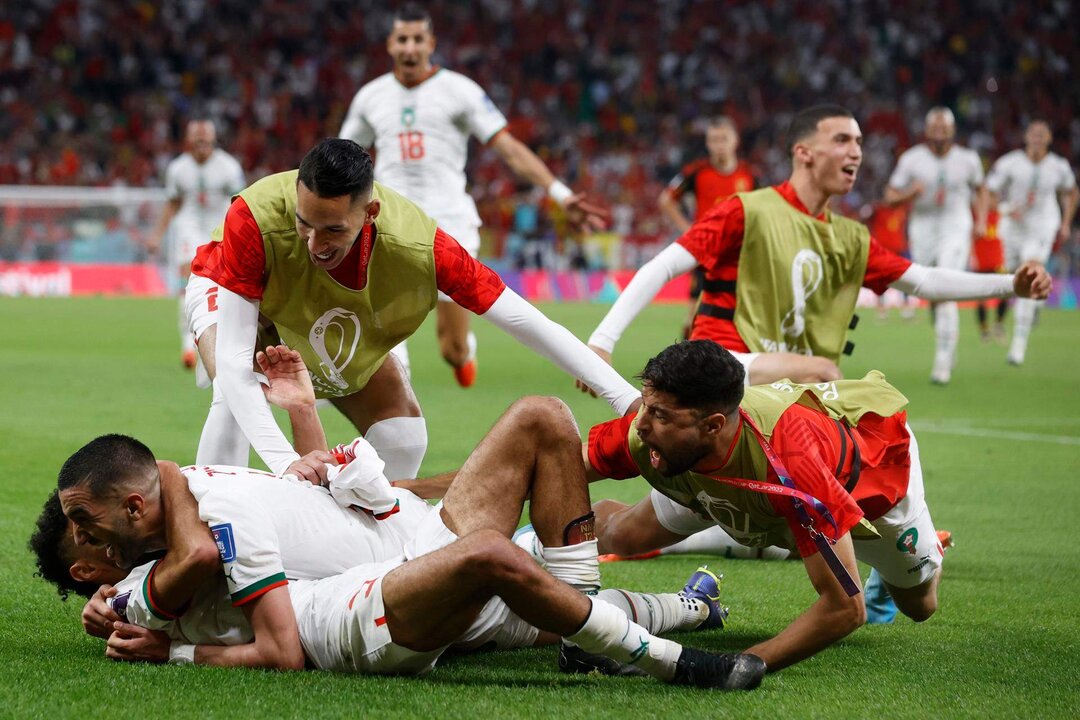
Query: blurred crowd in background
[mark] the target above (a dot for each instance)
(613, 95)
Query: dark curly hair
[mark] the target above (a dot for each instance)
(48, 543)
(699, 373)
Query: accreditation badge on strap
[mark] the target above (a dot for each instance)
(800, 501)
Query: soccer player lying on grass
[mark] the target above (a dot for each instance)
(799, 466)
(395, 616)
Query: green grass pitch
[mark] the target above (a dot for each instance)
(1001, 454)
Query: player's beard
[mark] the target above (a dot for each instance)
(128, 546)
(678, 460)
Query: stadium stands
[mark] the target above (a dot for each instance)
(611, 94)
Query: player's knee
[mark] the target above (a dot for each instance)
(493, 559)
(547, 419)
(921, 609)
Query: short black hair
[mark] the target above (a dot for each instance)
(48, 543)
(412, 12)
(104, 462)
(700, 374)
(337, 167)
(805, 122)
(721, 121)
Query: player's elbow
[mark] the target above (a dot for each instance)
(848, 614)
(204, 556)
(282, 657)
(812, 369)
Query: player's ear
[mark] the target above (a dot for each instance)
(83, 571)
(372, 211)
(714, 423)
(135, 505)
(801, 153)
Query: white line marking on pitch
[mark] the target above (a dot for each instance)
(1007, 422)
(999, 434)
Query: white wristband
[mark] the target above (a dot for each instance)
(181, 654)
(558, 192)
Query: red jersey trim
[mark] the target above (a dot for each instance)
(238, 261)
(471, 284)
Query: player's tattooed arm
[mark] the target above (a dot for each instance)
(192, 554)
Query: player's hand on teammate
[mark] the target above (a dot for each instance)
(132, 643)
(312, 467)
(606, 357)
(584, 215)
(97, 616)
(1032, 281)
(290, 384)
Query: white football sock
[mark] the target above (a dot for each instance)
(527, 540)
(470, 340)
(401, 443)
(658, 613)
(222, 441)
(576, 565)
(716, 541)
(1025, 318)
(947, 330)
(608, 631)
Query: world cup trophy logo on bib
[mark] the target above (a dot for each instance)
(807, 271)
(334, 338)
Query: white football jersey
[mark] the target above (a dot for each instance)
(947, 181)
(1031, 187)
(271, 529)
(421, 138)
(210, 618)
(205, 190)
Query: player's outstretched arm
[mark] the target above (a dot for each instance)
(672, 261)
(532, 328)
(941, 284)
(583, 214)
(237, 329)
(832, 616)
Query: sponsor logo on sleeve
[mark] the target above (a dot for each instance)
(119, 604)
(226, 543)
